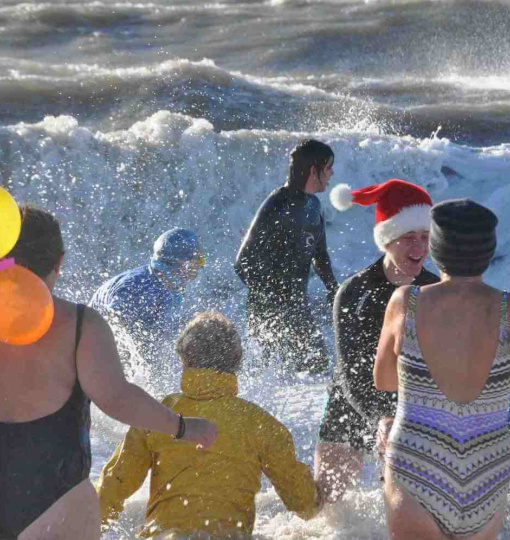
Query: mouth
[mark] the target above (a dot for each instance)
(415, 260)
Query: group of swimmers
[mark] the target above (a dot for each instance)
(440, 345)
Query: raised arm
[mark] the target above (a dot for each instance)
(102, 379)
(390, 342)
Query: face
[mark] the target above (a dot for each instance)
(318, 183)
(191, 268)
(408, 252)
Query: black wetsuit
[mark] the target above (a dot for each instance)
(43, 459)
(285, 237)
(354, 406)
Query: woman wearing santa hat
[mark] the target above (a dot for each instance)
(354, 407)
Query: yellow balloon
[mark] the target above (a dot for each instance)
(10, 222)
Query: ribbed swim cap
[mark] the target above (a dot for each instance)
(462, 237)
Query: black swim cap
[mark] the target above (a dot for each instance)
(462, 237)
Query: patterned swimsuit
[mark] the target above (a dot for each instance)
(453, 458)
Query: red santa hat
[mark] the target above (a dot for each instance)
(401, 207)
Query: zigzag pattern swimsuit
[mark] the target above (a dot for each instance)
(453, 458)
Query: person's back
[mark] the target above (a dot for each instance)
(40, 391)
(460, 323)
(450, 445)
(446, 347)
(215, 493)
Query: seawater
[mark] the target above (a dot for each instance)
(129, 118)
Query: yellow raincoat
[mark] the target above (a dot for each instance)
(213, 490)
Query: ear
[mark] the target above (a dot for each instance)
(58, 266)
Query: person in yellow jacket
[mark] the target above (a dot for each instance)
(212, 491)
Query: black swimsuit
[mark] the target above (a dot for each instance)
(43, 459)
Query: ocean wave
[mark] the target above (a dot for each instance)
(118, 190)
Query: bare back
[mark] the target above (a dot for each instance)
(458, 330)
(38, 379)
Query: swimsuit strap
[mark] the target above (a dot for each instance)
(80, 312)
(503, 324)
(410, 319)
(504, 310)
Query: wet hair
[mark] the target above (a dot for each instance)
(210, 341)
(304, 156)
(40, 245)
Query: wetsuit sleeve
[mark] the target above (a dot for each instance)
(322, 265)
(291, 479)
(124, 474)
(254, 260)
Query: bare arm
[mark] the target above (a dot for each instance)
(390, 341)
(102, 379)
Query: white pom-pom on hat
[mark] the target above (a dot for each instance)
(341, 197)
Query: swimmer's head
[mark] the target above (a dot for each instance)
(462, 237)
(40, 247)
(210, 341)
(177, 254)
(305, 155)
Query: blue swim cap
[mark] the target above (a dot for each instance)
(176, 245)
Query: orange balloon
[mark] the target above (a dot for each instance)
(26, 310)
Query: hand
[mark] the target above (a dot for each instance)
(200, 431)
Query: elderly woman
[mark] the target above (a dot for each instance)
(46, 389)
(445, 347)
(210, 495)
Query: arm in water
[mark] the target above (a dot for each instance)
(124, 474)
(390, 342)
(102, 379)
(291, 479)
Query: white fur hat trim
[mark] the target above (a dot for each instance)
(341, 197)
(410, 218)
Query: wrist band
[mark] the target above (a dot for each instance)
(182, 428)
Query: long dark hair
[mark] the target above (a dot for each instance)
(40, 243)
(304, 156)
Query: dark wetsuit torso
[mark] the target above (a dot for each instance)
(285, 237)
(354, 406)
(43, 459)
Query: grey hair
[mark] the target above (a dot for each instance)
(211, 341)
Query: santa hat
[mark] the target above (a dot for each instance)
(401, 207)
